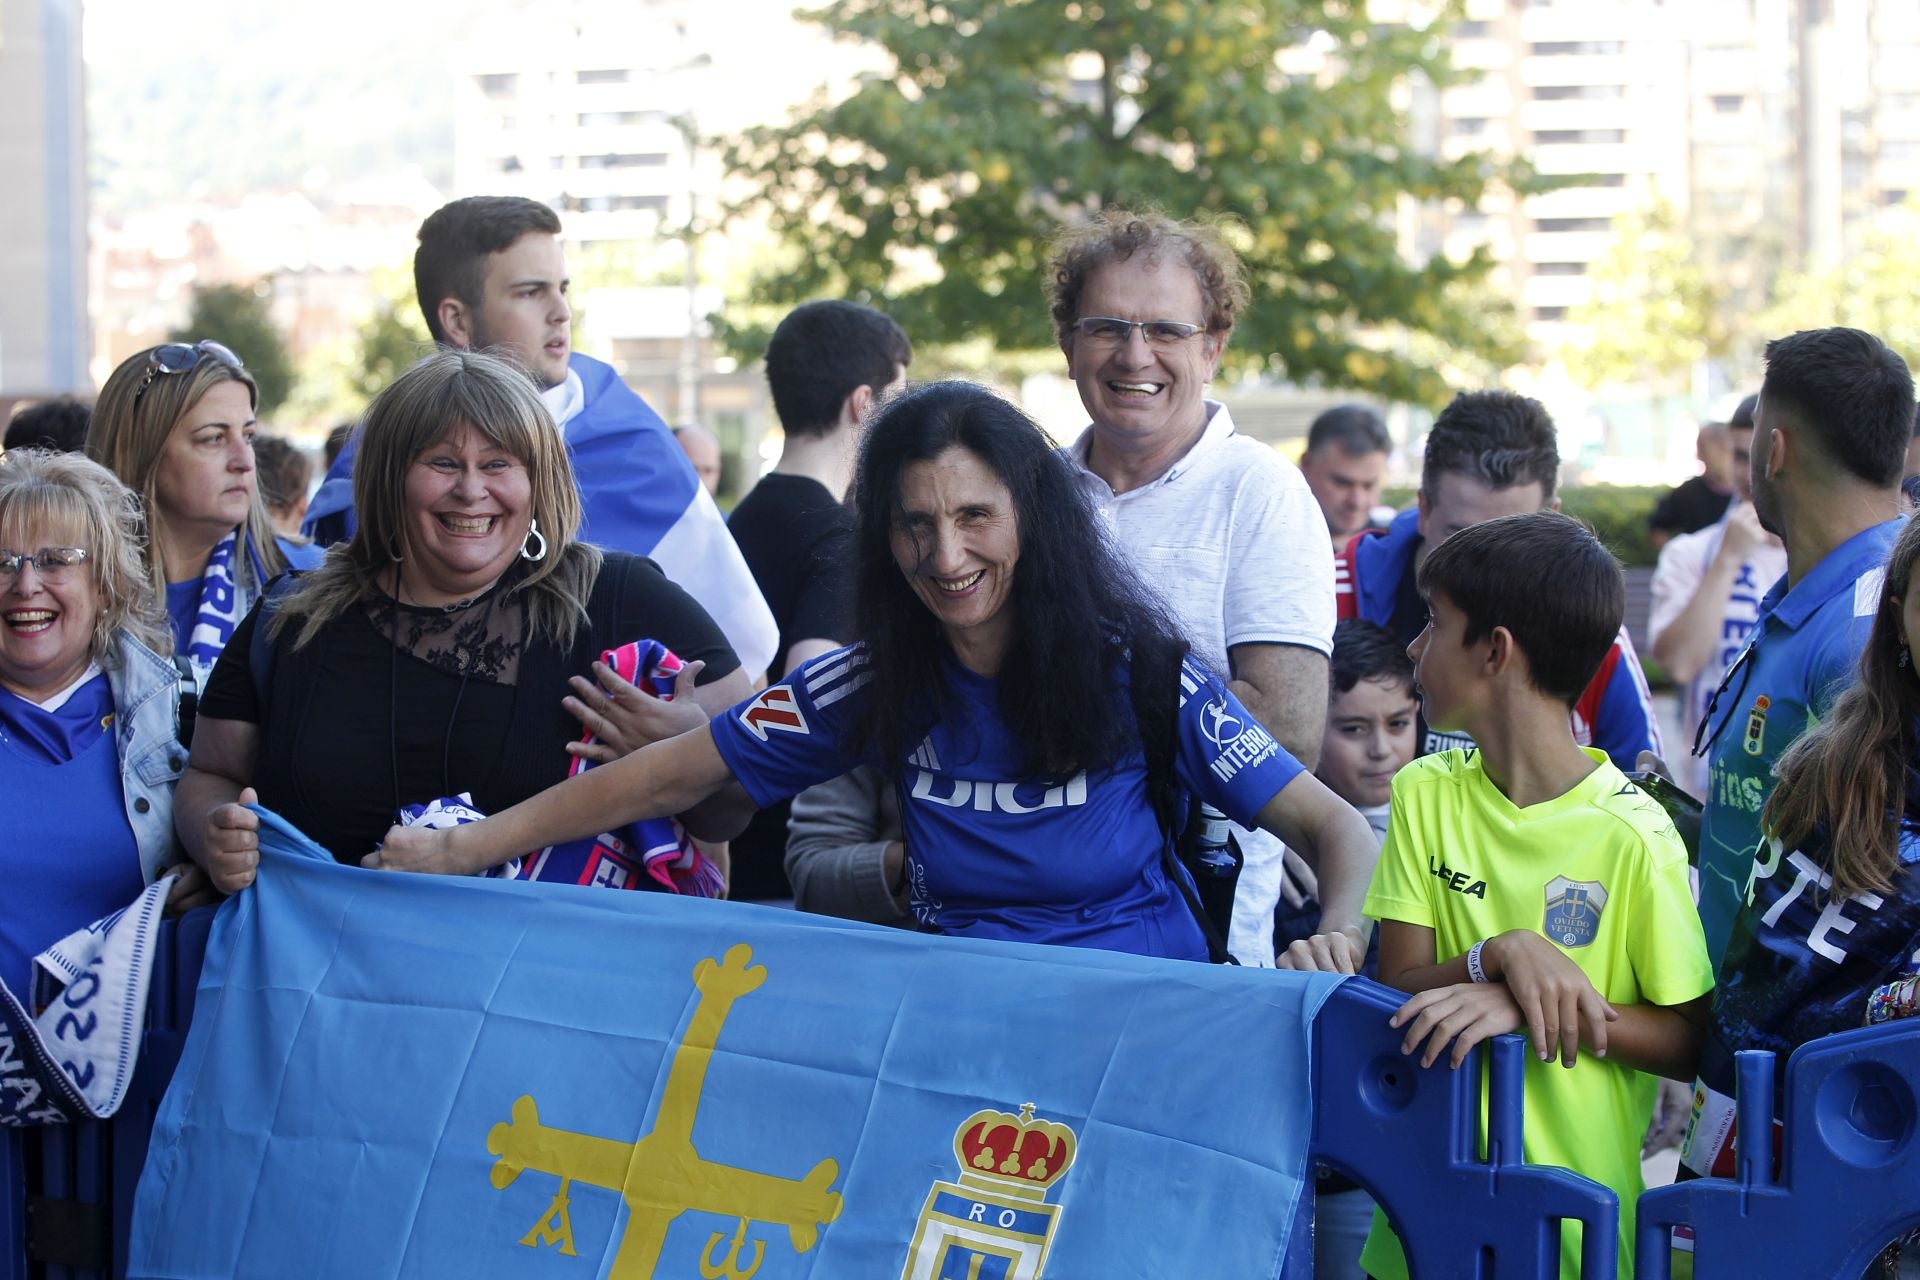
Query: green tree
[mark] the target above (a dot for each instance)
(1871, 289)
(237, 317)
(388, 343)
(1655, 310)
(936, 186)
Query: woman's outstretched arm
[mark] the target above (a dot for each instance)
(664, 778)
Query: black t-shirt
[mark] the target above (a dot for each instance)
(1689, 508)
(797, 539)
(353, 725)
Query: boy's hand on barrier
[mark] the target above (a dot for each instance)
(1461, 1015)
(1337, 951)
(232, 850)
(1555, 997)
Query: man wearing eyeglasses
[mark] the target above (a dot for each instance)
(1830, 437)
(1221, 525)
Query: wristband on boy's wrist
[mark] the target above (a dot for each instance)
(1474, 970)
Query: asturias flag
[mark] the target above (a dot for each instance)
(401, 1076)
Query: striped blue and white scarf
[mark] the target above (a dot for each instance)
(67, 1049)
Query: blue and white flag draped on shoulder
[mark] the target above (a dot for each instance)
(638, 493)
(402, 1076)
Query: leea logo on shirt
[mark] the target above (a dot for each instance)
(998, 797)
(1237, 743)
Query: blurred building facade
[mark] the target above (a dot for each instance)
(599, 112)
(1786, 123)
(43, 219)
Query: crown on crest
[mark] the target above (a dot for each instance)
(1014, 1153)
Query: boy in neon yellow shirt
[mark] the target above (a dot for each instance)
(1525, 884)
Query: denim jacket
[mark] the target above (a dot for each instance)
(146, 705)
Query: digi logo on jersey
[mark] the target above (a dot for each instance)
(1237, 744)
(775, 708)
(998, 797)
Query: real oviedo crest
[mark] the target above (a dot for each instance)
(1573, 911)
(995, 1222)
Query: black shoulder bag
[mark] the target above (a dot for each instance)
(1209, 895)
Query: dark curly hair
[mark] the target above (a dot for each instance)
(1079, 613)
(1117, 234)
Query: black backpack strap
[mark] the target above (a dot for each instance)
(187, 706)
(1159, 742)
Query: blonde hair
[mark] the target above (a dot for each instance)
(129, 432)
(1116, 235)
(42, 489)
(1850, 771)
(445, 392)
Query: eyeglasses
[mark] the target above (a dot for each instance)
(1107, 331)
(184, 357)
(54, 564)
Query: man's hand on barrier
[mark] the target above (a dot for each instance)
(1337, 951)
(1462, 1015)
(192, 888)
(1555, 996)
(232, 852)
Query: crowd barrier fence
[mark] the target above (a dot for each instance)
(1851, 1163)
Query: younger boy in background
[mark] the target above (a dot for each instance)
(1525, 883)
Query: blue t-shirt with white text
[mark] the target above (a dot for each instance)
(992, 853)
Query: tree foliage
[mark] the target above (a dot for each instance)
(237, 317)
(1870, 289)
(388, 342)
(1655, 310)
(935, 188)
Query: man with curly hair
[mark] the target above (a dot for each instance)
(1222, 526)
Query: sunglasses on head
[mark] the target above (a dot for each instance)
(184, 357)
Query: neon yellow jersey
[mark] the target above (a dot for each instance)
(1601, 873)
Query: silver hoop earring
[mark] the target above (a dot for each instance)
(1906, 656)
(533, 535)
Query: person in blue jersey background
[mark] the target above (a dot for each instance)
(176, 423)
(1834, 908)
(998, 643)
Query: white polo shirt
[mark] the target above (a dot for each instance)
(1232, 539)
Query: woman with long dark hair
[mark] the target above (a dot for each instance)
(1004, 650)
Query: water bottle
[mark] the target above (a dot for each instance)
(1211, 857)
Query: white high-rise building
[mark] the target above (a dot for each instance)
(43, 219)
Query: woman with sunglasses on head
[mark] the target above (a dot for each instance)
(176, 424)
(88, 747)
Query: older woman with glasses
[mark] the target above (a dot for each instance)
(432, 654)
(88, 709)
(176, 424)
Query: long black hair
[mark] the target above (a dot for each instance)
(1081, 614)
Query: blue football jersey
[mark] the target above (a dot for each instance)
(993, 853)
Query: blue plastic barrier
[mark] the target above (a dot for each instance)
(1411, 1136)
(1849, 1180)
(66, 1191)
